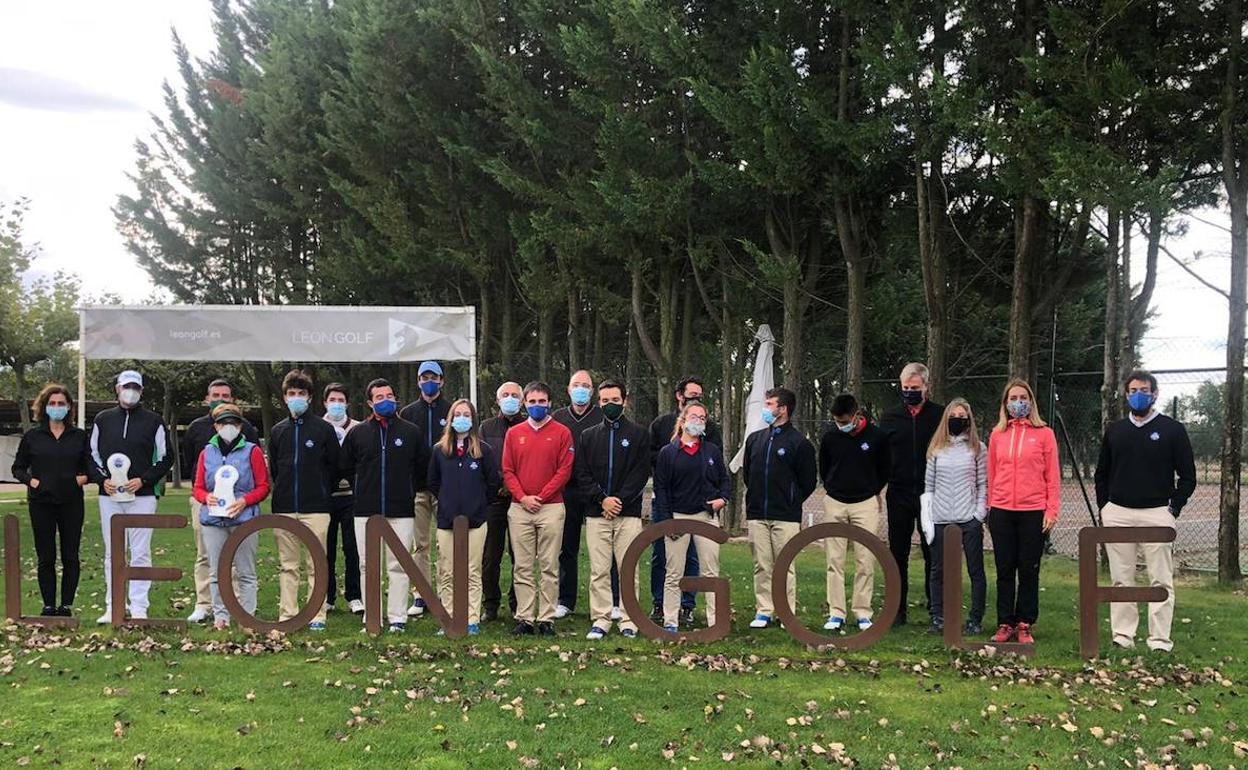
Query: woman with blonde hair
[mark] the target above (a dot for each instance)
(1024, 486)
(463, 476)
(957, 480)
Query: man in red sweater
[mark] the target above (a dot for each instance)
(537, 463)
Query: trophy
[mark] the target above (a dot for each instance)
(223, 489)
(119, 474)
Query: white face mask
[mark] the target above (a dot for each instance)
(129, 396)
(228, 433)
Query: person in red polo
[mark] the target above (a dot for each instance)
(537, 464)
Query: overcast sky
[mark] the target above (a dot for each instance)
(79, 79)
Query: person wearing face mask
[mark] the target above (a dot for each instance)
(780, 472)
(910, 427)
(429, 414)
(386, 459)
(194, 439)
(956, 478)
(691, 482)
(537, 465)
(611, 469)
(580, 414)
(1024, 498)
(230, 447)
(53, 461)
(140, 435)
(1144, 476)
(853, 464)
(494, 433)
(463, 475)
(303, 458)
(341, 501)
(688, 391)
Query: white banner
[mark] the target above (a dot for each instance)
(278, 333)
(764, 380)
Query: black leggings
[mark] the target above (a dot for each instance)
(47, 520)
(1017, 544)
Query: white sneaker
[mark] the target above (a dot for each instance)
(864, 624)
(760, 621)
(617, 613)
(357, 607)
(595, 634)
(104, 619)
(417, 609)
(139, 615)
(562, 612)
(834, 623)
(198, 616)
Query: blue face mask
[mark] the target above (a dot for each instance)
(386, 408)
(580, 395)
(509, 405)
(430, 388)
(297, 405)
(1140, 403)
(769, 417)
(461, 424)
(848, 427)
(538, 412)
(56, 413)
(336, 410)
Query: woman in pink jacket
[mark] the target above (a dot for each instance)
(1024, 483)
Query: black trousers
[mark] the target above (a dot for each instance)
(1017, 544)
(341, 520)
(50, 520)
(496, 541)
(973, 549)
(903, 520)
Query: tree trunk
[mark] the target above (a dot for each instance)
(507, 339)
(574, 325)
(1235, 180)
(686, 330)
(855, 293)
(23, 398)
(658, 362)
(265, 393)
(171, 424)
(1026, 246)
(485, 326)
(1111, 407)
(929, 202)
(545, 330)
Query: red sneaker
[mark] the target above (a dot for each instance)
(1024, 634)
(1005, 632)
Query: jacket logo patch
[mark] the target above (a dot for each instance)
(624, 442)
(865, 446)
(1155, 436)
(442, 422)
(473, 465)
(398, 442)
(309, 443)
(710, 461)
(780, 451)
(522, 439)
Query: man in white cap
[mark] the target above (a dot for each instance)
(139, 435)
(429, 414)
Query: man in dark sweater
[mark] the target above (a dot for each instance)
(780, 472)
(854, 466)
(688, 390)
(494, 432)
(910, 427)
(610, 472)
(580, 414)
(428, 414)
(194, 439)
(1144, 477)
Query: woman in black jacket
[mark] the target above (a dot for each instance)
(52, 460)
(463, 475)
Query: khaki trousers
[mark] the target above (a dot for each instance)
(767, 538)
(426, 522)
(398, 582)
(290, 552)
(446, 570)
(606, 541)
(1124, 617)
(536, 537)
(708, 566)
(865, 514)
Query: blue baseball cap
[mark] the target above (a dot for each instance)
(430, 366)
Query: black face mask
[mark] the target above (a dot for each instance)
(612, 411)
(912, 397)
(958, 425)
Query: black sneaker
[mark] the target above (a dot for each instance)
(64, 611)
(48, 612)
(490, 614)
(686, 616)
(656, 613)
(937, 627)
(973, 628)
(900, 620)
(523, 628)
(546, 628)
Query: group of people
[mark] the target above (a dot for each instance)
(535, 481)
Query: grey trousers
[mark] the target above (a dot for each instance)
(244, 570)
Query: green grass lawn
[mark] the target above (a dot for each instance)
(95, 698)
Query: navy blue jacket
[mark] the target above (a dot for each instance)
(464, 485)
(303, 464)
(780, 473)
(683, 483)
